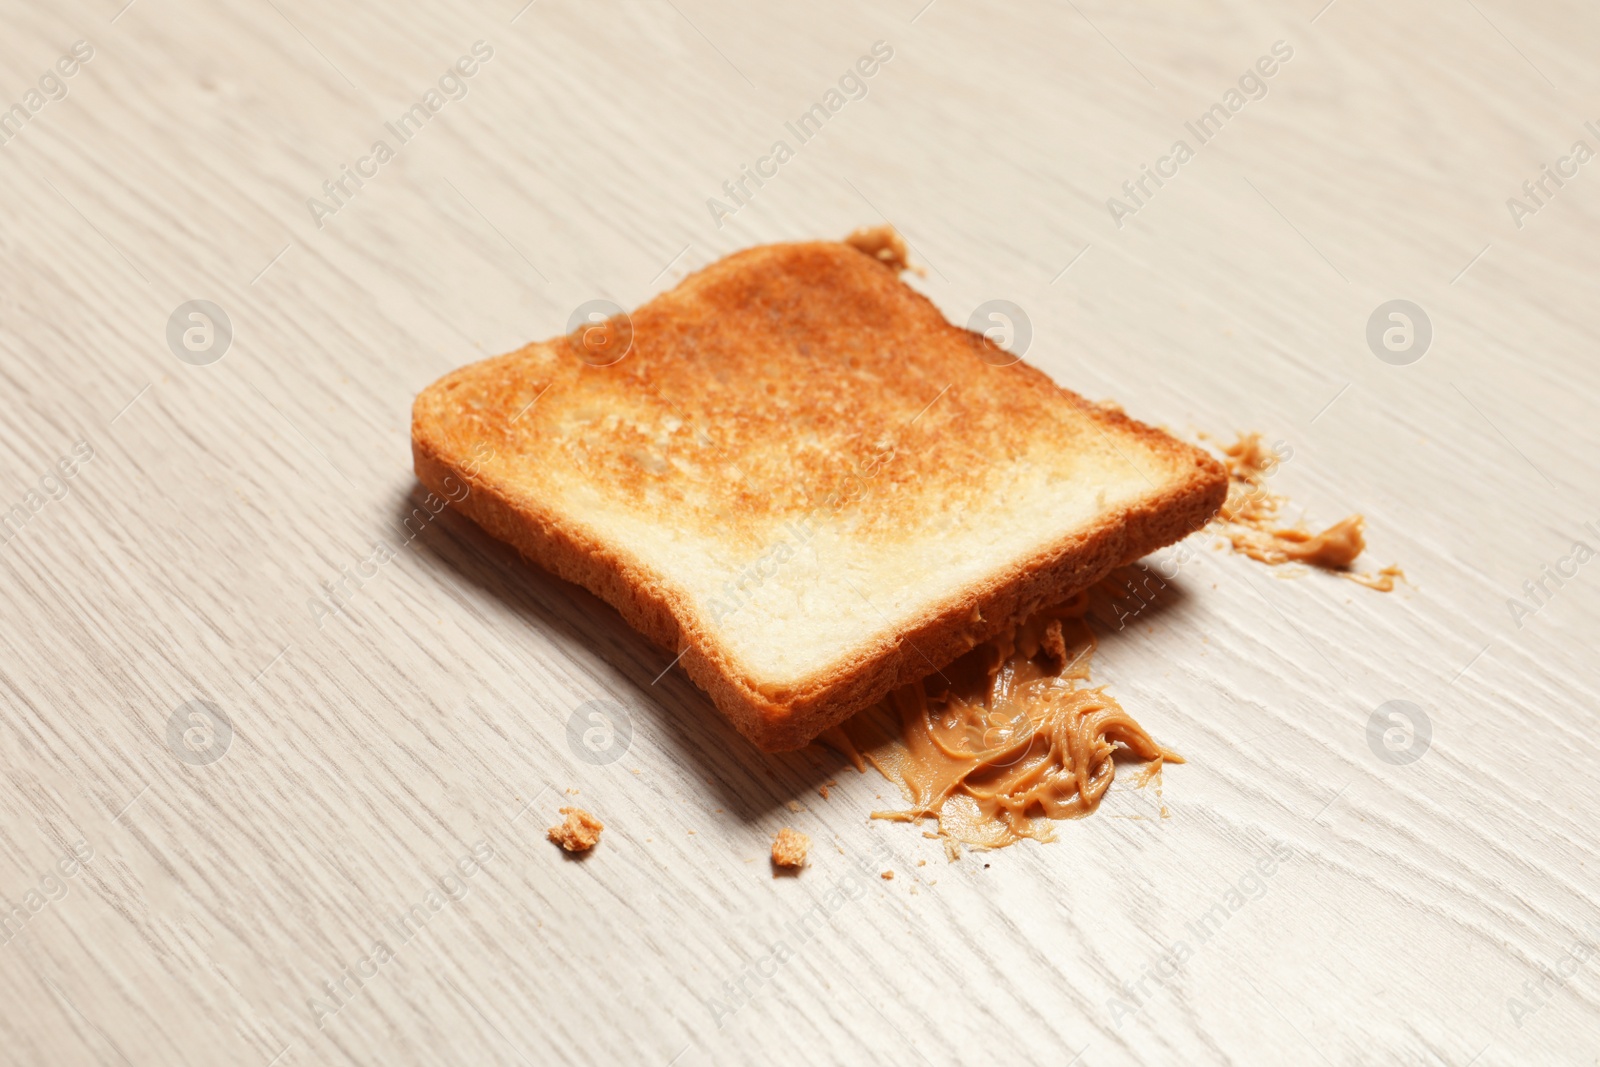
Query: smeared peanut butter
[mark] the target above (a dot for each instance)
(883, 244)
(1249, 520)
(835, 738)
(1007, 740)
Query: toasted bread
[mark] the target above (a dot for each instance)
(803, 480)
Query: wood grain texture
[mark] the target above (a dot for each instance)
(423, 730)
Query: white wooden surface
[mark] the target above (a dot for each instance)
(375, 751)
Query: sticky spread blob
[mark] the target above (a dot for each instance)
(1006, 740)
(1249, 521)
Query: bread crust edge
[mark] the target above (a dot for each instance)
(788, 720)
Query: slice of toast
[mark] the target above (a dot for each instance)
(804, 480)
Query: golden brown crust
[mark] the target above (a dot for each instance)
(723, 351)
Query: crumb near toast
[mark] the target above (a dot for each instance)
(883, 244)
(789, 848)
(580, 832)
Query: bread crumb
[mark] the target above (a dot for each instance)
(571, 792)
(579, 833)
(883, 244)
(1054, 645)
(922, 863)
(887, 876)
(822, 789)
(789, 848)
(796, 808)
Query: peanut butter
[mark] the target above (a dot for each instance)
(1012, 742)
(1249, 520)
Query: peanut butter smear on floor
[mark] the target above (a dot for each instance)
(1006, 740)
(1249, 520)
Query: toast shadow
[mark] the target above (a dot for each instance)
(681, 718)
